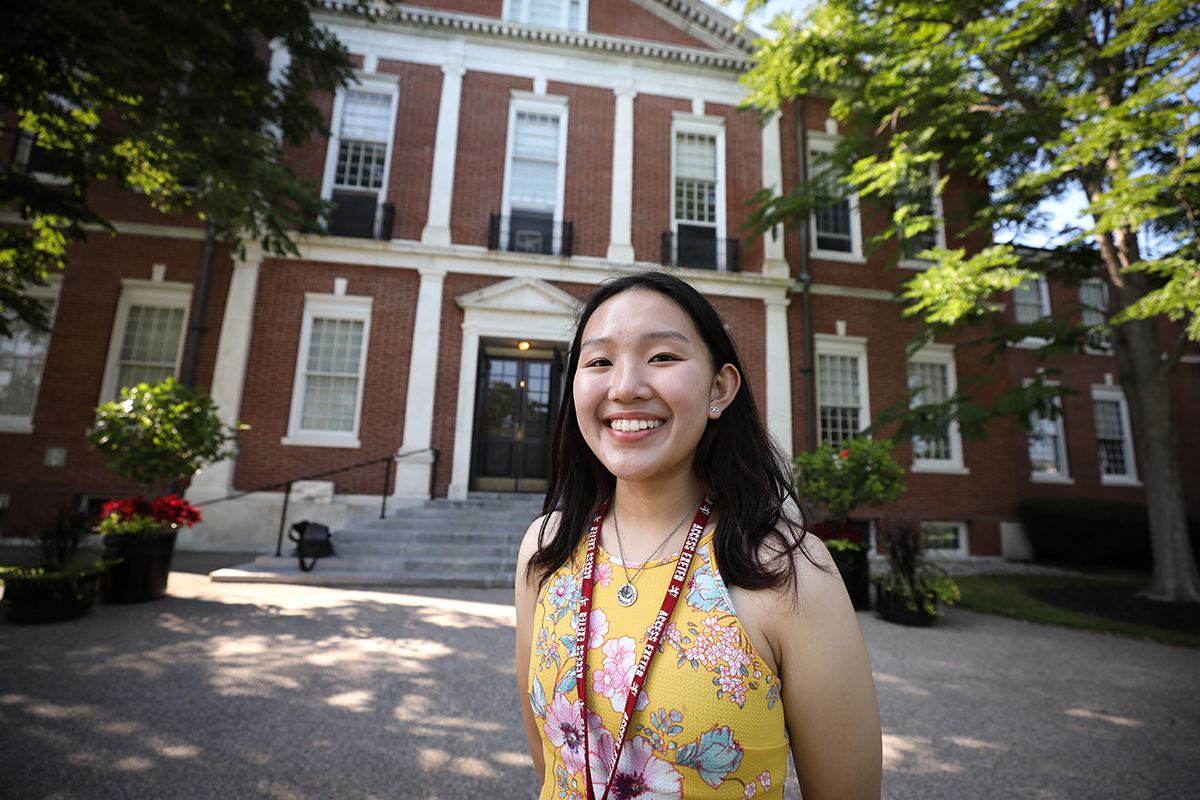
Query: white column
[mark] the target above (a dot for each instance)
(441, 190)
(229, 371)
(620, 244)
(775, 264)
(464, 430)
(779, 380)
(412, 472)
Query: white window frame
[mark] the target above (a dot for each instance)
(518, 11)
(1098, 343)
(373, 83)
(939, 230)
(138, 292)
(23, 423)
(552, 106)
(328, 306)
(702, 125)
(964, 546)
(1116, 394)
(823, 143)
(853, 346)
(1063, 476)
(942, 355)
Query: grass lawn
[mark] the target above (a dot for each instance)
(1006, 595)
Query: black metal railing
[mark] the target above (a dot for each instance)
(361, 217)
(287, 486)
(700, 249)
(531, 232)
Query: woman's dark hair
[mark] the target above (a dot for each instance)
(736, 462)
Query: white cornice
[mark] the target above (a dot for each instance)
(732, 59)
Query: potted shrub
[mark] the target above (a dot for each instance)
(838, 480)
(911, 588)
(60, 582)
(153, 435)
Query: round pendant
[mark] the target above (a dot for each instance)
(626, 595)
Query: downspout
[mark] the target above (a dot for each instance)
(810, 400)
(197, 328)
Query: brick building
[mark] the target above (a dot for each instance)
(496, 160)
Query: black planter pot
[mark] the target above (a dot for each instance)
(142, 573)
(893, 607)
(41, 599)
(855, 569)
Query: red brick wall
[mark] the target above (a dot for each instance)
(588, 200)
(267, 399)
(479, 165)
(412, 155)
(652, 171)
(75, 362)
(743, 177)
(483, 8)
(623, 18)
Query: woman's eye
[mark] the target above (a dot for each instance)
(598, 362)
(663, 357)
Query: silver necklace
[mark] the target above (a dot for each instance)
(627, 594)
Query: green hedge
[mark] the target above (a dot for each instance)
(1091, 532)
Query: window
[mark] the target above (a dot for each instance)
(1114, 444)
(34, 157)
(148, 334)
(531, 221)
(931, 372)
(1031, 301)
(1093, 296)
(834, 227)
(330, 370)
(22, 362)
(566, 14)
(359, 157)
(1048, 449)
(925, 201)
(944, 538)
(698, 194)
(842, 408)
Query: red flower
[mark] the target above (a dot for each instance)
(845, 454)
(170, 509)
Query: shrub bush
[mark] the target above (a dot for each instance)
(1088, 532)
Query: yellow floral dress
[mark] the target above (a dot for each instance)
(709, 720)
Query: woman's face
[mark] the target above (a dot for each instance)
(644, 386)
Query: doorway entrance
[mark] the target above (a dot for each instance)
(517, 398)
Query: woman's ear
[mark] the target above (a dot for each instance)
(725, 387)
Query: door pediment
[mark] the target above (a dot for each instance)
(524, 294)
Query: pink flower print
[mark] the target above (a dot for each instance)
(602, 574)
(751, 790)
(615, 674)
(765, 780)
(642, 775)
(730, 681)
(564, 729)
(597, 627)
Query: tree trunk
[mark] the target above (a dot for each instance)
(1147, 385)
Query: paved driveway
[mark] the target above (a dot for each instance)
(268, 691)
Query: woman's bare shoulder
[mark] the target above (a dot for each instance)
(533, 539)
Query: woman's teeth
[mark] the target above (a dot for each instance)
(631, 425)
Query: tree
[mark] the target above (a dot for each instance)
(1032, 99)
(173, 98)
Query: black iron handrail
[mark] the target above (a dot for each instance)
(387, 478)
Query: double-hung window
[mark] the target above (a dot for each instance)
(1093, 297)
(932, 376)
(921, 198)
(1031, 300)
(22, 362)
(330, 371)
(148, 334)
(1114, 441)
(565, 14)
(359, 157)
(834, 226)
(698, 194)
(535, 180)
(843, 410)
(944, 538)
(1047, 442)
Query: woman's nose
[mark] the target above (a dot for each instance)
(628, 382)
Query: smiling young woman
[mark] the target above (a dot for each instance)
(665, 660)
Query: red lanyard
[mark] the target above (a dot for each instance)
(653, 635)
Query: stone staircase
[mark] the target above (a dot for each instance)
(473, 543)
